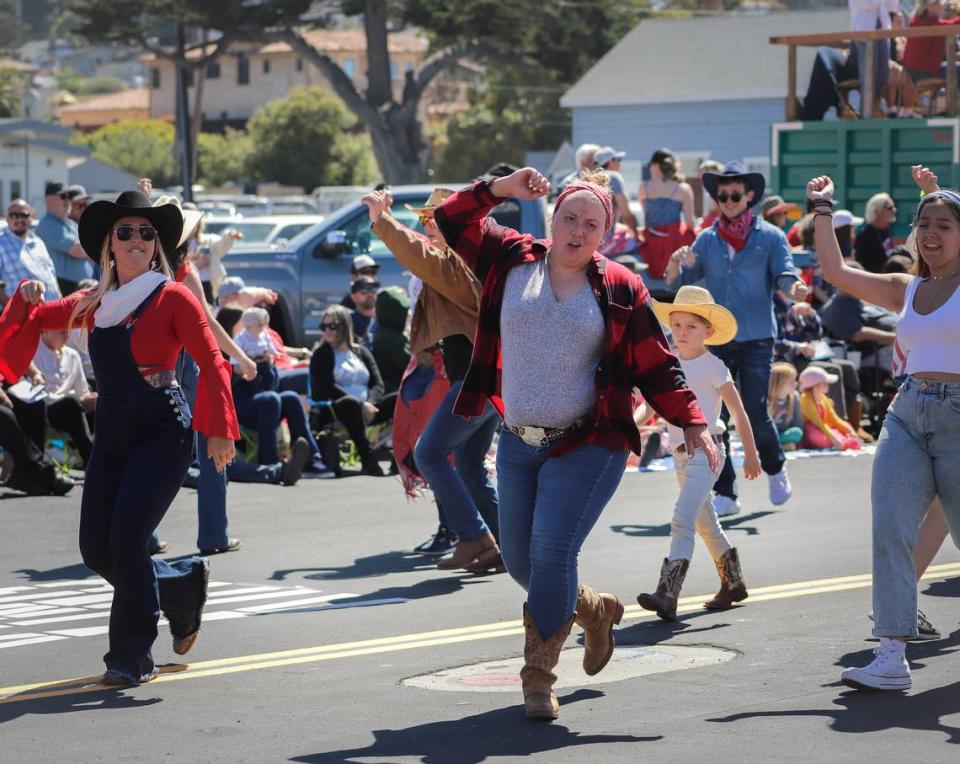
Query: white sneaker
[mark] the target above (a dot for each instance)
(780, 488)
(888, 670)
(725, 506)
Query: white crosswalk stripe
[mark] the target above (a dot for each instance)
(54, 606)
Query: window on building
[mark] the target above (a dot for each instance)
(155, 78)
(393, 71)
(213, 71)
(408, 67)
(349, 67)
(299, 64)
(266, 66)
(243, 70)
(189, 78)
(16, 190)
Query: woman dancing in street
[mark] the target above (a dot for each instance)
(563, 337)
(917, 456)
(137, 320)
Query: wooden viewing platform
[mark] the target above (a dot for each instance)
(843, 40)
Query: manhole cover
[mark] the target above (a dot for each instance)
(627, 662)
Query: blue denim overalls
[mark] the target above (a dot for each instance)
(142, 449)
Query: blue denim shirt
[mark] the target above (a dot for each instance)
(59, 236)
(744, 284)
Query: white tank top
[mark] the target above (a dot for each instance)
(930, 342)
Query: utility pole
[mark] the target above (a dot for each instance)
(185, 145)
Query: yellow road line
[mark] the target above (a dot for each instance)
(318, 653)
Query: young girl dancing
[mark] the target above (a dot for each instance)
(696, 321)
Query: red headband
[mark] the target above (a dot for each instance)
(602, 194)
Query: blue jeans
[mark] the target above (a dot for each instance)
(264, 411)
(548, 505)
(467, 494)
(917, 458)
(213, 530)
(749, 363)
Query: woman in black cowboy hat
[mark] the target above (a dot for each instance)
(137, 320)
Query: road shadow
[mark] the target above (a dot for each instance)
(498, 734)
(736, 523)
(71, 695)
(655, 631)
(75, 572)
(947, 588)
(858, 711)
(382, 564)
(918, 653)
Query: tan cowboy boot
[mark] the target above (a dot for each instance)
(540, 656)
(465, 552)
(732, 587)
(664, 600)
(597, 614)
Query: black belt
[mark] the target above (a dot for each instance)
(542, 436)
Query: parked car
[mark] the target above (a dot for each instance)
(312, 270)
(263, 229)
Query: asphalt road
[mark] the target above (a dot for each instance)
(315, 625)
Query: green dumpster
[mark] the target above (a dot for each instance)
(864, 158)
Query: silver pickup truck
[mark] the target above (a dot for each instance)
(312, 270)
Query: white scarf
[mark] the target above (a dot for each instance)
(119, 303)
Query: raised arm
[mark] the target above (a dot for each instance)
(884, 289)
(23, 318)
(463, 217)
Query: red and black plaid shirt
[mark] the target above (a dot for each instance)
(635, 352)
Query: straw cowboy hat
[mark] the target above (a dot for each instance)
(433, 201)
(191, 217)
(99, 217)
(699, 302)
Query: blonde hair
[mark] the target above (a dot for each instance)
(344, 325)
(779, 374)
(89, 301)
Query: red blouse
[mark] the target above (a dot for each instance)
(173, 320)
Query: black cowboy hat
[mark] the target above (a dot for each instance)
(97, 220)
(754, 181)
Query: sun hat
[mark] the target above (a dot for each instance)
(607, 154)
(699, 302)
(775, 204)
(814, 375)
(191, 217)
(736, 171)
(843, 218)
(99, 217)
(433, 201)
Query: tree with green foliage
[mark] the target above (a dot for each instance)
(304, 140)
(11, 92)
(223, 158)
(141, 147)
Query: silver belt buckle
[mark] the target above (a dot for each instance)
(533, 436)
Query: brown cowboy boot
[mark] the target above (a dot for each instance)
(540, 656)
(466, 552)
(732, 587)
(597, 614)
(664, 600)
(855, 418)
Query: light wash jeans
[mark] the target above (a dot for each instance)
(548, 506)
(918, 457)
(694, 508)
(467, 493)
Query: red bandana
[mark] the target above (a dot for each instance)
(735, 232)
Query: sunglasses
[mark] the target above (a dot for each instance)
(325, 327)
(365, 289)
(370, 270)
(126, 232)
(18, 215)
(735, 197)
(65, 195)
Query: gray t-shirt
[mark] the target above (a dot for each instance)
(550, 350)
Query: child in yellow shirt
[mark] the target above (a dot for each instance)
(823, 428)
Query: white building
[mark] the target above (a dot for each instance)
(32, 154)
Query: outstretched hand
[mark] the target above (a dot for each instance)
(527, 183)
(377, 204)
(925, 178)
(819, 188)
